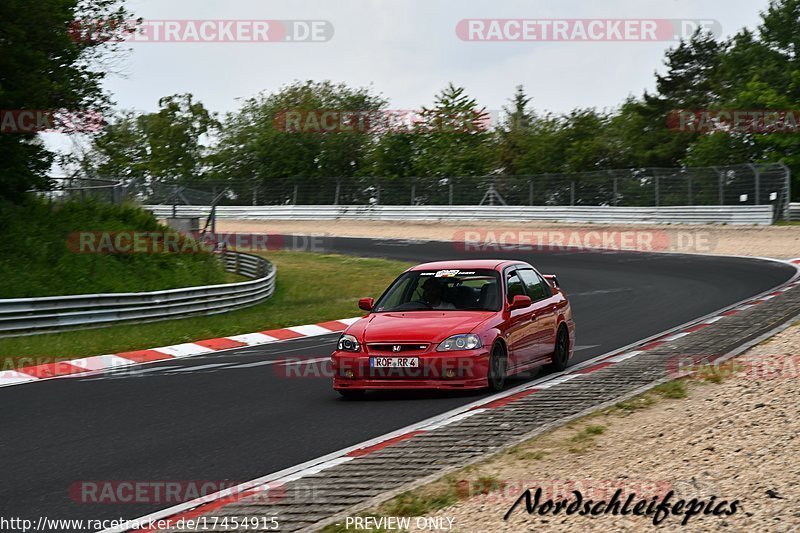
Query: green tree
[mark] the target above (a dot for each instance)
(759, 71)
(514, 134)
(392, 155)
(43, 66)
(691, 82)
(164, 147)
(454, 136)
(279, 136)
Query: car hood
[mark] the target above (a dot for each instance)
(417, 326)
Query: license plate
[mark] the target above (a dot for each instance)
(394, 362)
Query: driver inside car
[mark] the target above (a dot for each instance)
(432, 292)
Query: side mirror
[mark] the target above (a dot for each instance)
(366, 304)
(520, 301)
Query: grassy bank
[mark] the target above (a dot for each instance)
(310, 288)
(36, 258)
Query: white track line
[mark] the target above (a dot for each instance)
(252, 339)
(101, 362)
(310, 330)
(183, 350)
(12, 377)
(623, 357)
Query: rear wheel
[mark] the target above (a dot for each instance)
(498, 364)
(351, 394)
(560, 351)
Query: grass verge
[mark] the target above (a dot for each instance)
(41, 252)
(310, 288)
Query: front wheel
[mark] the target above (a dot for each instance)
(497, 369)
(560, 351)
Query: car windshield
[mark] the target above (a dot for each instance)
(443, 290)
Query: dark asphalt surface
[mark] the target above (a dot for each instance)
(235, 416)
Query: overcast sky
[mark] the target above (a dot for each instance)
(408, 50)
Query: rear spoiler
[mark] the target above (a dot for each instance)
(552, 280)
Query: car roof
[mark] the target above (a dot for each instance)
(491, 264)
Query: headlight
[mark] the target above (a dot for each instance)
(469, 341)
(348, 343)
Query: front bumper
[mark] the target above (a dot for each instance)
(438, 370)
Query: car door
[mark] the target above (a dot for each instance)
(542, 324)
(518, 332)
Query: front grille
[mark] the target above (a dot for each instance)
(398, 347)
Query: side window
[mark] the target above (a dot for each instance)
(514, 286)
(397, 294)
(536, 287)
(548, 290)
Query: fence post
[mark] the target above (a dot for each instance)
(294, 195)
(530, 192)
(450, 193)
(378, 195)
(616, 191)
(757, 184)
(787, 214)
(336, 198)
(689, 187)
(721, 186)
(255, 195)
(658, 193)
(413, 192)
(572, 193)
(214, 212)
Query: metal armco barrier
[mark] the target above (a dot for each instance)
(30, 315)
(747, 214)
(794, 211)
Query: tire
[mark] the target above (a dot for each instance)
(351, 394)
(498, 364)
(560, 351)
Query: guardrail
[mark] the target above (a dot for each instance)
(749, 214)
(794, 211)
(31, 315)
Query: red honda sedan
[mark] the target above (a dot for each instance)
(456, 325)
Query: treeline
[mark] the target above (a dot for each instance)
(260, 143)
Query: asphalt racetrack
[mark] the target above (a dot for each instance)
(234, 415)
